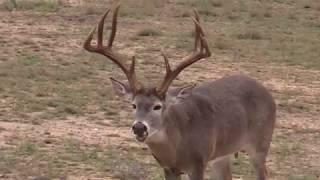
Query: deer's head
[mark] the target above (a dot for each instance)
(148, 103)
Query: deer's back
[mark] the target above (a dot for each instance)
(238, 91)
(240, 109)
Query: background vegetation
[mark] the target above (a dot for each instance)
(59, 117)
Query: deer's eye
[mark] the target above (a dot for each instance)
(157, 107)
(134, 106)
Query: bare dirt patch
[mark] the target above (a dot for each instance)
(59, 117)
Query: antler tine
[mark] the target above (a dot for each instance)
(100, 29)
(114, 26)
(166, 61)
(132, 71)
(87, 44)
(196, 19)
(107, 50)
(201, 50)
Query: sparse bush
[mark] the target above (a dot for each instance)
(255, 13)
(90, 10)
(14, 3)
(260, 13)
(302, 177)
(267, 14)
(185, 14)
(26, 148)
(138, 9)
(36, 5)
(206, 7)
(216, 3)
(292, 16)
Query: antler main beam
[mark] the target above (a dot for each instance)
(201, 50)
(107, 50)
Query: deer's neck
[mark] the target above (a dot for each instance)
(163, 147)
(164, 144)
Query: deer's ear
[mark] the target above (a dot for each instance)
(182, 92)
(121, 89)
(185, 91)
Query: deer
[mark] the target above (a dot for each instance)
(190, 127)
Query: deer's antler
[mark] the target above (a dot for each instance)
(201, 50)
(107, 50)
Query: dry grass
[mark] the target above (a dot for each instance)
(85, 159)
(57, 110)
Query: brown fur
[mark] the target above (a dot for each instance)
(220, 118)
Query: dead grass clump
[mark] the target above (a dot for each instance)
(149, 32)
(260, 13)
(184, 40)
(206, 7)
(184, 14)
(207, 12)
(222, 43)
(250, 35)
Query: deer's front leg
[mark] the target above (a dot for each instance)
(171, 175)
(197, 173)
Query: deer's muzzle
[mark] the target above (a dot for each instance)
(140, 130)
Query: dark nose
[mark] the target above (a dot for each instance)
(139, 128)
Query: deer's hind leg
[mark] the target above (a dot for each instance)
(258, 151)
(258, 161)
(221, 169)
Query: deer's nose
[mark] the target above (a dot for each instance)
(139, 128)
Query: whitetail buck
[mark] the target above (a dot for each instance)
(188, 127)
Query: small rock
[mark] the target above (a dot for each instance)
(4, 176)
